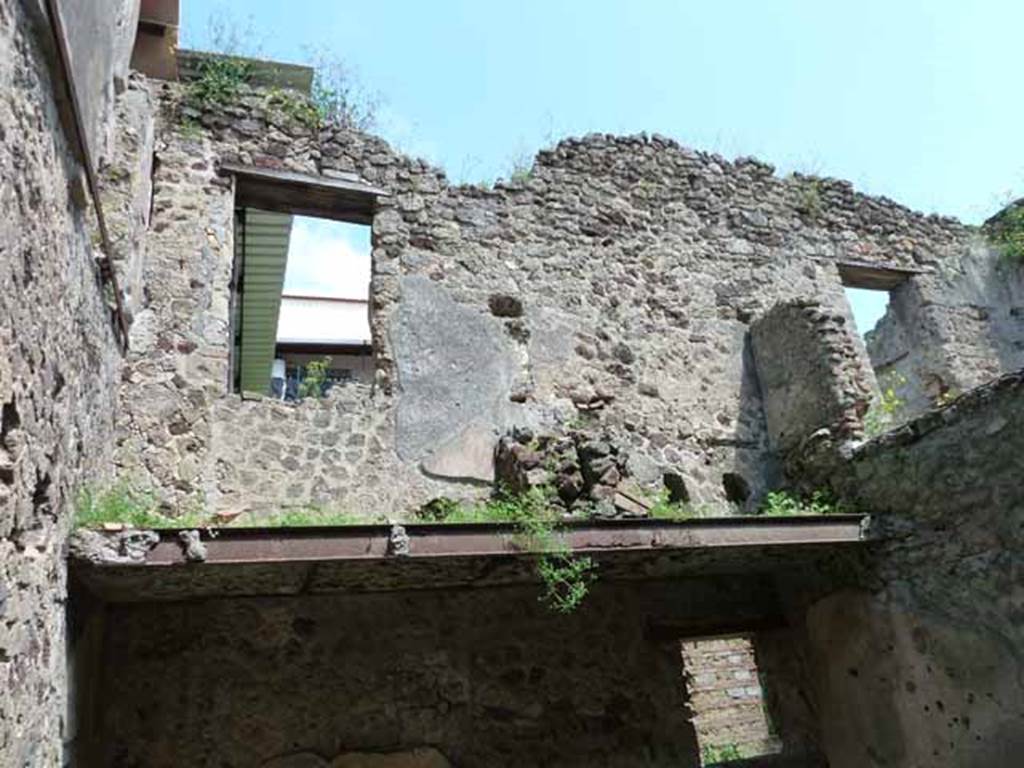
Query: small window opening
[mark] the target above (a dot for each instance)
(301, 304)
(870, 292)
(868, 308)
(726, 698)
(867, 289)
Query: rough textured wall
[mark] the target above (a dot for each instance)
(490, 677)
(952, 329)
(812, 374)
(924, 666)
(126, 184)
(614, 286)
(271, 456)
(57, 390)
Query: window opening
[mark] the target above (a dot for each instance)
(302, 305)
(727, 702)
(869, 292)
(868, 308)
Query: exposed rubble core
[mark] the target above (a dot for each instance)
(630, 327)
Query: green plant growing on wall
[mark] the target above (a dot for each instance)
(1007, 234)
(887, 410)
(124, 503)
(719, 753)
(302, 517)
(566, 577)
(337, 95)
(219, 82)
(666, 509)
(521, 172)
(121, 503)
(314, 378)
(293, 105)
(946, 398)
(785, 504)
(190, 129)
(809, 198)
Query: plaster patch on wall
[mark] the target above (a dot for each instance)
(455, 366)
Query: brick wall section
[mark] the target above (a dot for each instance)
(725, 695)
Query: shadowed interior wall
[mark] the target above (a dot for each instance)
(490, 677)
(923, 665)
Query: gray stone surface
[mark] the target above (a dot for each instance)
(490, 678)
(122, 548)
(58, 382)
(455, 367)
(469, 455)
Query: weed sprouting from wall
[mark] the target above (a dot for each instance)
(666, 509)
(127, 504)
(220, 81)
(337, 95)
(809, 200)
(122, 503)
(566, 576)
(303, 517)
(787, 504)
(887, 410)
(722, 753)
(1006, 233)
(314, 378)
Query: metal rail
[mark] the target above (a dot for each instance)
(427, 541)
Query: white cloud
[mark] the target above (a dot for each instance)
(328, 258)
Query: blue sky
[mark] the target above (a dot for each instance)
(918, 100)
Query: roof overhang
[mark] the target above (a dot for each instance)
(344, 199)
(290, 561)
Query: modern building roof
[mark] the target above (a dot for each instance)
(323, 320)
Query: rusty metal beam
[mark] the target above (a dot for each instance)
(371, 542)
(243, 562)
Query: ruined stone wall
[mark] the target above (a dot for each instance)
(811, 374)
(922, 665)
(951, 329)
(58, 374)
(612, 289)
(490, 677)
